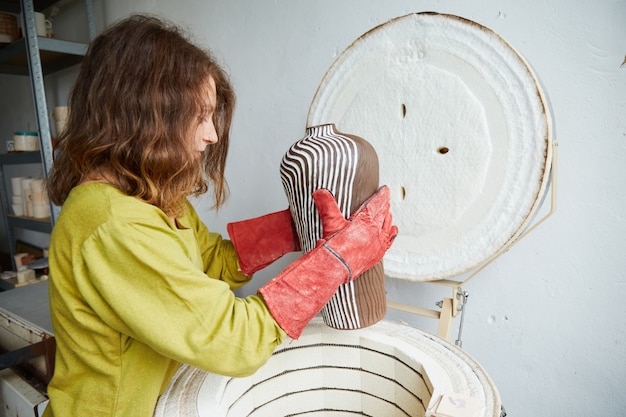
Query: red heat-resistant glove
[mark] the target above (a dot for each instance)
(348, 248)
(262, 240)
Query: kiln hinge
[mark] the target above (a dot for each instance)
(450, 307)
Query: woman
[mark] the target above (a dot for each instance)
(138, 285)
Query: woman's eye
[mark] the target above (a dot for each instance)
(205, 118)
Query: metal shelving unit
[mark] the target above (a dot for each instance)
(36, 57)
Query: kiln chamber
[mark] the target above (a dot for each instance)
(385, 370)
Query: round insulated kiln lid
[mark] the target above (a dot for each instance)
(462, 131)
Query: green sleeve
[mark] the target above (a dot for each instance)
(219, 257)
(142, 280)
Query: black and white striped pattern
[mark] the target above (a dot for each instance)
(326, 159)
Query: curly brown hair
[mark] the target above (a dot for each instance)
(133, 111)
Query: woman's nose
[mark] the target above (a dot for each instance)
(210, 134)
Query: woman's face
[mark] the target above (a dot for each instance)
(205, 132)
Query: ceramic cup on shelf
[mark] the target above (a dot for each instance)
(27, 195)
(59, 115)
(16, 185)
(17, 204)
(18, 209)
(26, 141)
(43, 25)
(32, 143)
(37, 185)
(41, 211)
(39, 197)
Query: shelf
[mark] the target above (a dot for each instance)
(18, 158)
(55, 55)
(13, 6)
(35, 57)
(11, 283)
(30, 223)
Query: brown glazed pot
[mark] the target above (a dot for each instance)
(347, 166)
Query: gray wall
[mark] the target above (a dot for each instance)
(547, 320)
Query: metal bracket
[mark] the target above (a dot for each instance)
(462, 306)
(450, 308)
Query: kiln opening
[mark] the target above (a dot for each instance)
(388, 369)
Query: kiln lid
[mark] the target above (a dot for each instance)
(462, 132)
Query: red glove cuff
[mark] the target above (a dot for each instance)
(262, 240)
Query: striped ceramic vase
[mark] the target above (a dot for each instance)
(347, 166)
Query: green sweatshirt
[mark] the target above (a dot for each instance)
(134, 295)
